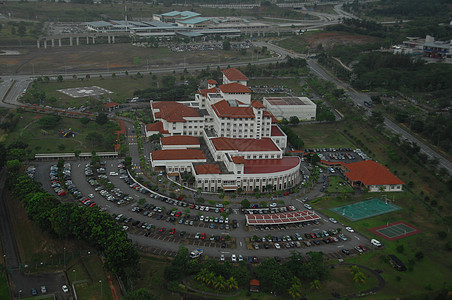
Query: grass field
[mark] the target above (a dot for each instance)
(4, 291)
(42, 140)
(91, 270)
(338, 185)
(292, 83)
(322, 135)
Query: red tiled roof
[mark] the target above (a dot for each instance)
(178, 154)
(254, 282)
(276, 131)
(110, 104)
(179, 140)
(370, 172)
(238, 160)
(224, 110)
(208, 91)
(157, 126)
(173, 111)
(234, 75)
(257, 104)
(260, 166)
(269, 114)
(234, 87)
(212, 81)
(243, 145)
(207, 169)
(281, 218)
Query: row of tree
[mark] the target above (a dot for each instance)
(68, 220)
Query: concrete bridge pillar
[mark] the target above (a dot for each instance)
(38, 44)
(77, 41)
(87, 40)
(70, 41)
(94, 40)
(113, 39)
(109, 39)
(59, 42)
(53, 43)
(45, 44)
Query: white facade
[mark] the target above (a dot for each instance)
(286, 107)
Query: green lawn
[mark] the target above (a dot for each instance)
(338, 185)
(43, 140)
(91, 270)
(4, 291)
(322, 135)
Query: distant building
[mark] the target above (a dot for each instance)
(286, 107)
(111, 106)
(436, 49)
(254, 285)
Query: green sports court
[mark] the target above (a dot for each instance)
(365, 209)
(395, 231)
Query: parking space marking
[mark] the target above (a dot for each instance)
(356, 237)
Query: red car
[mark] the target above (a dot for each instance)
(192, 206)
(178, 214)
(203, 236)
(286, 193)
(93, 204)
(162, 229)
(362, 248)
(179, 198)
(172, 231)
(62, 193)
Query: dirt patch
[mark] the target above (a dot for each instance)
(331, 39)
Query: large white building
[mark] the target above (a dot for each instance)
(286, 107)
(224, 138)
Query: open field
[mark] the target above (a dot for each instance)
(322, 135)
(44, 140)
(309, 41)
(109, 58)
(91, 270)
(338, 185)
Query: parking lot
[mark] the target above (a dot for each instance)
(158, 222)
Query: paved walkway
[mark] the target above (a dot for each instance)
(190, 288)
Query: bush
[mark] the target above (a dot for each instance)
(400, 248)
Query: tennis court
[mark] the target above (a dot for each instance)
(395, 231)
(365, 209)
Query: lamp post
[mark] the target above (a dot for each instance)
(20, 291)
(101, 295)
(64, 257)
(75, 276)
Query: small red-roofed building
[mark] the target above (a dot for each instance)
(211, 83)
(373, 176)
(255, 286)
(111, 106)
(233, 75)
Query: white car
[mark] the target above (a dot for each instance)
(234, 258)
(240, 257)
(307, 206)
(65, 288)
(91, 196)
(375, 242)
(222, 257)
(349, 229)
(273, 204)
(113, 174)
(332, 220)
(277, 246)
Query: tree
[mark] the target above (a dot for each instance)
(245, 203)
(101, 119)
(295, 289)
(315, 285)
(168, 81)
(226, 45)
(294, 120)
(87, 76)
(60, 78)
(84, 120)
(13, 165)
(376, 119)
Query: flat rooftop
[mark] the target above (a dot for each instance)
(289, 101)
(282, 218)
(262, 166)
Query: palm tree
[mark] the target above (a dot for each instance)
(315, 285)
(295, 288)
(202, 275)
(354, 269)
(359, 277)
(219, 283)
(210, 279)
(232, 283)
